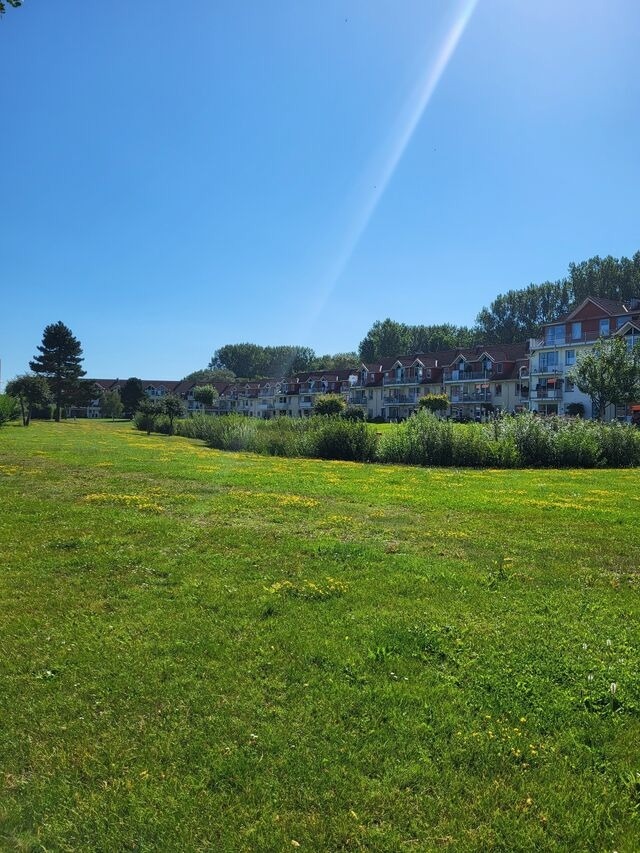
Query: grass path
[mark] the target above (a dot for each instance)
(215, 651)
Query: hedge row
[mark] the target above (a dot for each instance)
(522, 441)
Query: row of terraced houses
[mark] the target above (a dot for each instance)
(495, 378)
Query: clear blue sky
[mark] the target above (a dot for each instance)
(177, 176)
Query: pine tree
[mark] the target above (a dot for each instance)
(60, 363)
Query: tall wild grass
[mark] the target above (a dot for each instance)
(523, 441)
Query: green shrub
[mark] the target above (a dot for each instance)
(329, 404)
(533, 438)
(8, 408)
(336, 438)
(619, 444)
(511, 442)
(577, 445)
(353, 413)
(474, 447)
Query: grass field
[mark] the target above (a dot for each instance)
(210, 651)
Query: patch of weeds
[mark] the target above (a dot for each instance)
(310, 590)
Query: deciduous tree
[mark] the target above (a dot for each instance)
(609, 373)
(434, 403)
(206, 395)
(173, 407)
(148, 412)
(111, 404)
(329, 404)
(30, 391)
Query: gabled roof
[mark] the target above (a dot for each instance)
(611, 307)
(629, 326)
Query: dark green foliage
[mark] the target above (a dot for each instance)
(520, 314)
(214, 375)
(173, 407)
(353, 413)
(329, 404)
(42, 413)
(147, 414)
(336, 438)
(131, 395)
(339, 361)
(388, 338)
(31, 391)
(14, 3)
(609, 278)
(251, 361)
(60, 362)
(575, 410)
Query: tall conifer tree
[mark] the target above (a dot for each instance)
(59, 362)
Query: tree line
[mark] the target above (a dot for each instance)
(246, 361)
(512, 317)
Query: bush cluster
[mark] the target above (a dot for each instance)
(523, 441)
(317, 437)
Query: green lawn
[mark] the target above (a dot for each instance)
(210, 651)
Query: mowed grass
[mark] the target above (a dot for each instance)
(210, 651)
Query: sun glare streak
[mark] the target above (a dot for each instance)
(409, 119)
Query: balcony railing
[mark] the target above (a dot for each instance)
(400, 399)
(357, 399)
(479, 397)
(549, 370)
(466, 375)
(568, 340)
(546, 394)
(406, 379)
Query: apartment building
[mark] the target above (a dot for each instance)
(487, 379)
(552, 356)
(478, 381)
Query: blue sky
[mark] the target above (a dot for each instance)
(177, 176)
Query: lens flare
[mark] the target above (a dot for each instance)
(409, 118)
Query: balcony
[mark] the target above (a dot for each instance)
(467, 375)
(357, 399)
(405, 379)
(400, 399)
(546, 394)
(568, 340)
(477, 397)
(548, 370)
